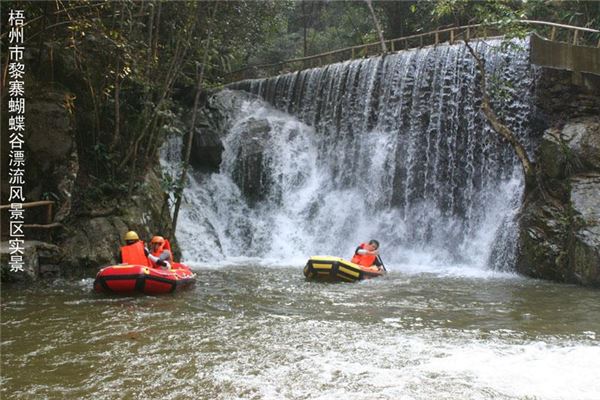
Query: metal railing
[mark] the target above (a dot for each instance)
(557, 32)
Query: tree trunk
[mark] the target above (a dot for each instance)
(150, 31)
(304, 28)
(155, 38)
(188, 146)
(148, 117)
(377, 26)
(495, 122)
(117, 131)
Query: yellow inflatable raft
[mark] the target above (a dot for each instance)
(335, 269)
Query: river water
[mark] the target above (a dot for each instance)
(251, 332)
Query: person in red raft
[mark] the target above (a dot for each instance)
(161, 253)
(134, 252)
(367, 256)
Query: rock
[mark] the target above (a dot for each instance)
(249, 171)
(551, 157)
(583, 139)
(91, 243)
(50, 126)
(585, 201)
(211, 126)
(50, 139)
(543, 241)
(560, 226)
(35, 254)
(207, 149)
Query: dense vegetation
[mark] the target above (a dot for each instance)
(132, 65)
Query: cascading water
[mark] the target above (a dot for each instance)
(392, 148)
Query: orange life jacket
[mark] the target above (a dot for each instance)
(366, 260)
(160, 250)
(134, 254)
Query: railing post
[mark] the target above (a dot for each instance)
(468, 34)
(352, 57)
(437, 37)
(421, 41)
(553, 33)
(575, 34)
(452, 36)
(405, 44)
(392, 46)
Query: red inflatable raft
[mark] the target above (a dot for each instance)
(128, 279)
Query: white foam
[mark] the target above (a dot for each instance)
(537, 370)
(431, 365)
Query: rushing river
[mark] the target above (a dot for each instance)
(249, 332)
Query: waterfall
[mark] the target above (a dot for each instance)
(393, 148)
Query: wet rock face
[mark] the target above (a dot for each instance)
(249, 171)
(207, 145)
(560, 227)
(585, 201)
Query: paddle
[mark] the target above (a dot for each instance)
(381, 262)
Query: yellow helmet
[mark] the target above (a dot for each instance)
(157, 239)
(131, 235)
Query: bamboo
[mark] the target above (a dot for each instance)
(43, 226)
(30, 204)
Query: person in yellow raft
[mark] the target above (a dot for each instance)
(367, 256)
(134, 251)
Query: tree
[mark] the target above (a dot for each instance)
(377, 26)
(492, 11)
(188, 146)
